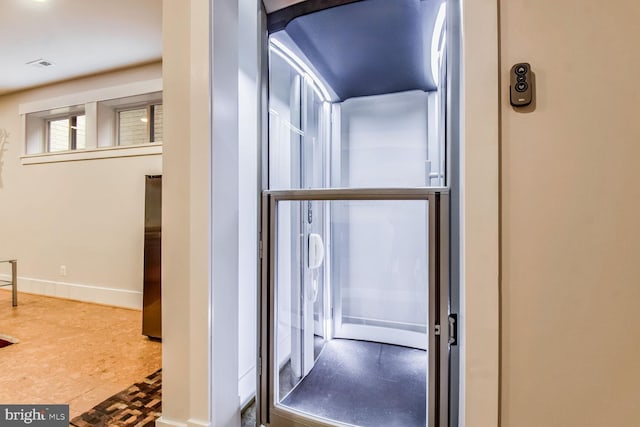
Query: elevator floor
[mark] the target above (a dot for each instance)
(365, 384)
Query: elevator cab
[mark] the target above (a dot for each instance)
(354, 318)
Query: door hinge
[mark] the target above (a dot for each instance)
(259, 366)
(260, 249)
(453, 329)
(436, 330)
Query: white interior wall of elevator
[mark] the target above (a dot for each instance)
(381, 265)
(385, 141)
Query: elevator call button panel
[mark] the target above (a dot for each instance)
(521, 89)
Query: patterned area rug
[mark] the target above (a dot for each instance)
(138, 406)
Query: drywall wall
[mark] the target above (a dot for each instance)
(570, 229)
(249, 193)
(479, 213)
(176, 274)
(186, 256)
(225, 194)
(87, 215)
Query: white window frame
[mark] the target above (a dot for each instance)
(150, 106)
(72, 145)
(98, 107)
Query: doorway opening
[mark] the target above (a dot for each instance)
(354, 295)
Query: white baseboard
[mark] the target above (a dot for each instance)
(247, 386)
(163, 422)
(79, 292)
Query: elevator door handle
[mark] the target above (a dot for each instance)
(316, 251)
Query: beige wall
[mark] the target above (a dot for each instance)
(570, 228)
(186, 214)
(86, 215)
(479, 170)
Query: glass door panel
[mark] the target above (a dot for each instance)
(380, 270)
(295, 295)
(285, 125)
(351, 288)
(298, 130)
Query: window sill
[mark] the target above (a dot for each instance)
(151, 149)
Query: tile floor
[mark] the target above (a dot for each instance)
(71, 352)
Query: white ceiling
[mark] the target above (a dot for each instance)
(79, 37)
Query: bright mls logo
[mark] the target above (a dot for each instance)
(34, 415)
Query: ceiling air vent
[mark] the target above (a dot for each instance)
(40, 63)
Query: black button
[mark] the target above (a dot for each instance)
(521, 69)
(521, 78)
(521, 87)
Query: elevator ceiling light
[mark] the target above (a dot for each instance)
(300, 66)
(436, 46)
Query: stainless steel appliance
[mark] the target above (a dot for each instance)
(151, 297)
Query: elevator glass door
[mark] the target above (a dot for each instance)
(383, 363)
(354, 288)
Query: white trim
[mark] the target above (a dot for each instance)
(381, 334)
(224, 55)
(150, 149)
(480, 192)
(80, 292)
(103, 94)
(247, 386)
(164, 422)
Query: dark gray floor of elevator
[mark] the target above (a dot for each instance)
(365, 384)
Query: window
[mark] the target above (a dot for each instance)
(119, 121)
(140, 125)
(157, 123)
(67, 133)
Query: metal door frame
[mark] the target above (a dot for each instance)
(267, 413)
